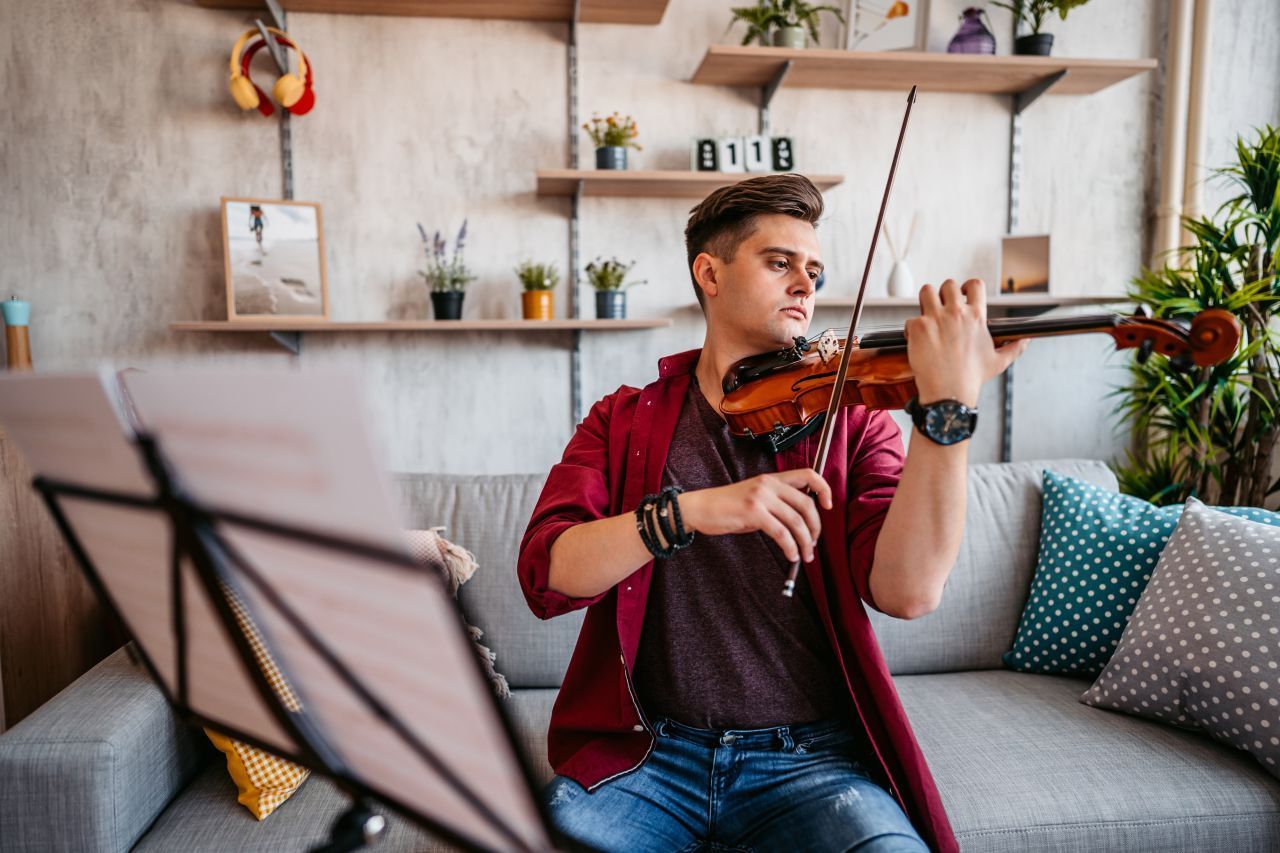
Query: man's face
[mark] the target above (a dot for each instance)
(764, 298)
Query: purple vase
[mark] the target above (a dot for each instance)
(973, 35)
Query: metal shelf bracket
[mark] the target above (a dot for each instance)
(1027, 96)
(292, 341)
(768, 90)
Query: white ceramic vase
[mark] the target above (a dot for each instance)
(901, 282)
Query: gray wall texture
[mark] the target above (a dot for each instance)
(117, 137)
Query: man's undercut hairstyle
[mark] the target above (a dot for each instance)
(722, 220)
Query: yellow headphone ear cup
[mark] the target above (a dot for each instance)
(288, 90)
(243, 92)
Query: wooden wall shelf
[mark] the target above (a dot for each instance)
(289, 333)
(672, 184)
(730, 65)
(589, 12)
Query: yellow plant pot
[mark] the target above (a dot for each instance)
(538, 304)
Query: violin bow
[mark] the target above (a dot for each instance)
(837, 390)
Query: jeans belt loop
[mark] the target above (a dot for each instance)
(788, 742)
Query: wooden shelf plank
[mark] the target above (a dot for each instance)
(416, 325)
(732, 65)
(656, 184)
(1022, 300)
(590, 11)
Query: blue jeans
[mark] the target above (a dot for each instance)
(793, 788)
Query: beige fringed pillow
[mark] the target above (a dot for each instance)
(429, 548)
(265, 780)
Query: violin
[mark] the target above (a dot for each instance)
(778, 395)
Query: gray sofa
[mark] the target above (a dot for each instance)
(1021, 765)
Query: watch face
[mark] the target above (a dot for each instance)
(947, 422)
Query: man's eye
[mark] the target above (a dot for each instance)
(813, 276)
(779, 263)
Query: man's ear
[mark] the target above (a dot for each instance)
(706, 271)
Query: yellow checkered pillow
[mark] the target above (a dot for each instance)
(265, 780)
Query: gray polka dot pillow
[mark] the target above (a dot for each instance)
(1201, 649)
(1097, 550)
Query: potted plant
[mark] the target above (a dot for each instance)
(789, 20)
(1211, 432)
(612, 137)
(609, 280)
(446, 273)
(538, 281)
(1033, 13)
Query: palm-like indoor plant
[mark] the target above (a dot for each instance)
(609, 279)
(783, 23)
(1032, 13)
(612, 136)
(446, 273)
(538, 281)
(1211, 432)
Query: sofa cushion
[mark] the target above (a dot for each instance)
(1022, 765)
(93, 766)
(984, 595)
(487, 515)
(1097, 551)
(205, 816)
(1201, 649)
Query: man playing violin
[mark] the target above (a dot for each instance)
(700, 705)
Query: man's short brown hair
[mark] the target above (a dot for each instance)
(721, 221)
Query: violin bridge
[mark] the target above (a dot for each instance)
(828, 346)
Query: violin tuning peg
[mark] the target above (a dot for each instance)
(1141, 311)
(1182, 363)
(1144, 350)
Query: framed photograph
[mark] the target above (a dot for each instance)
(887, 24)
(1024, 264)
(273, 251)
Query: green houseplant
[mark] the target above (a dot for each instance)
(612, 136)
(1032, 13)
(609, 279)
(783, 23)
(1211, 432)
(538, 281)
(446, 273)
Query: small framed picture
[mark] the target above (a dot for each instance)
(887, 24)
(1024, 264)
(273, 251)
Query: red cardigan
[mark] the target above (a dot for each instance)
(616, 456)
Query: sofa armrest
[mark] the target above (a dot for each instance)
(93, 767)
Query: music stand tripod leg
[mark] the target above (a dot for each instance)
(356, 827)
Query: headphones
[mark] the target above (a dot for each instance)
(290, 91)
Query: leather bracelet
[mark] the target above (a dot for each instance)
(642, 526)
(661, 512)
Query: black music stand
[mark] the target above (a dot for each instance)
(222, 572)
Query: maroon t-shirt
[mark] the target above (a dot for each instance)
(721, 647)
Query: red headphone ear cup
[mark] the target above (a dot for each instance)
(304, 104)
(264, 103)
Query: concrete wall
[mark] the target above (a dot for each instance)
(117, 137)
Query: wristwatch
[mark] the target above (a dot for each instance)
(943, 421)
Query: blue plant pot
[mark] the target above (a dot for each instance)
(611, 305)
(611, 157)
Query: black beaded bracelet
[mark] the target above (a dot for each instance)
(661, 512)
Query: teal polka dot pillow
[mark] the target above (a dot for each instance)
(1097, 551)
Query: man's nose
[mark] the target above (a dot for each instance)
(803, 286)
